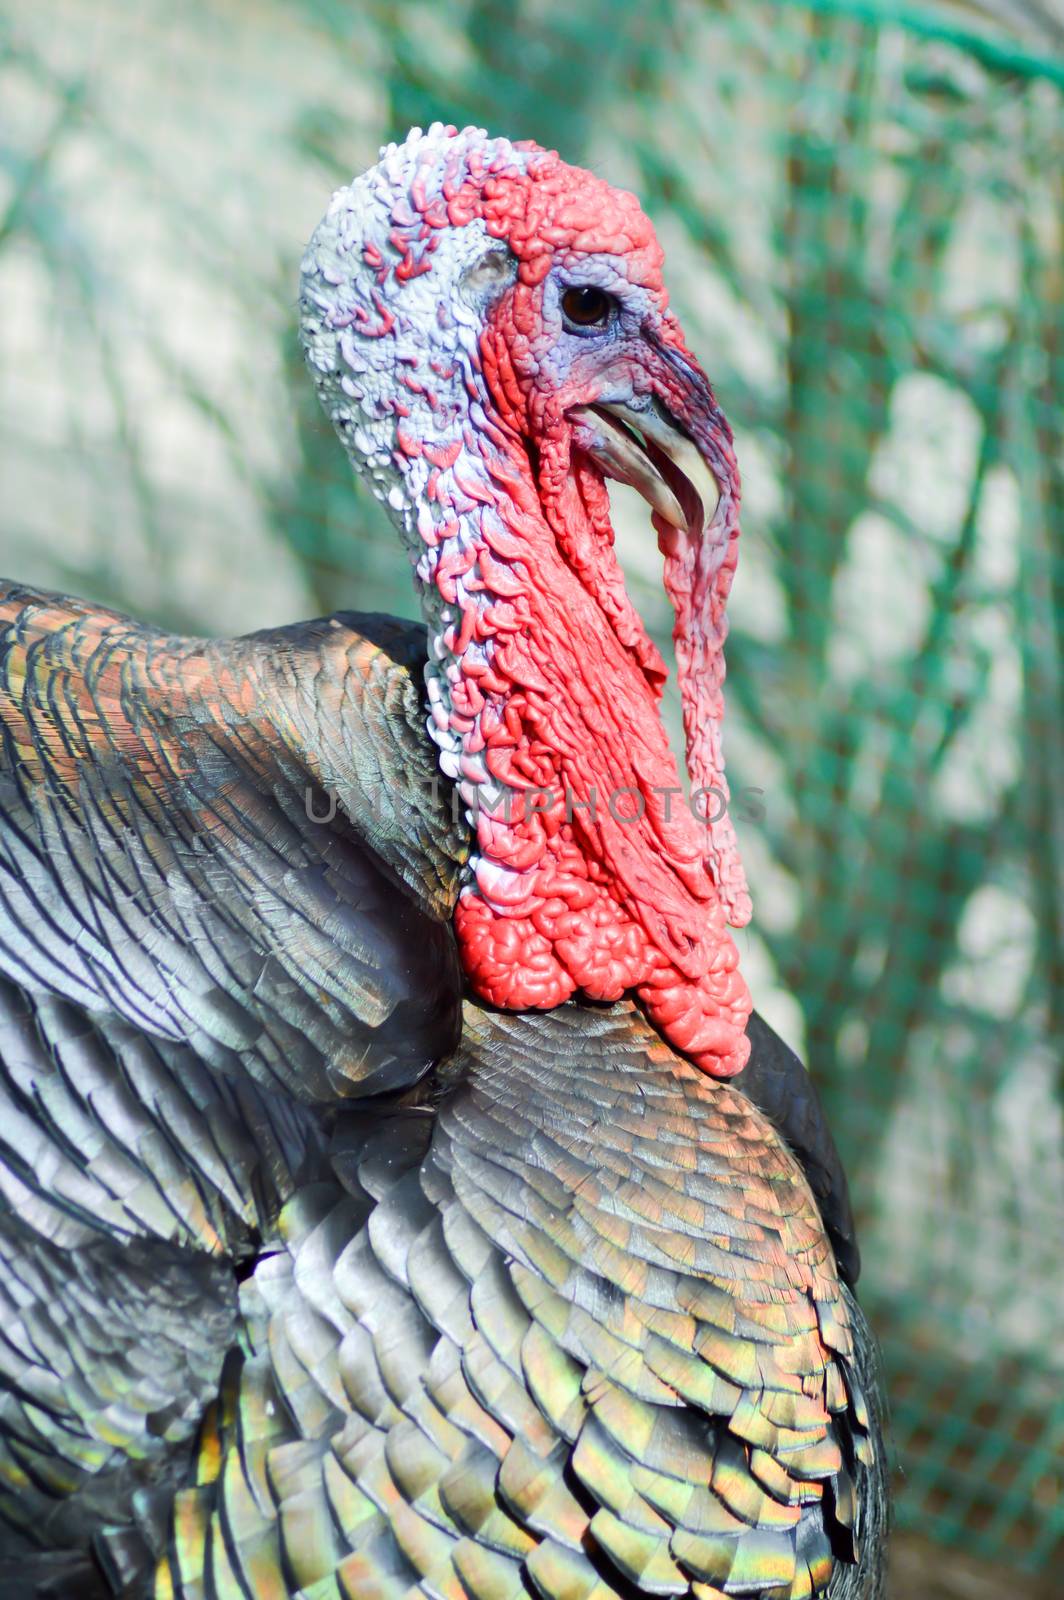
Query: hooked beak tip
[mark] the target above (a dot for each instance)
(650, 452)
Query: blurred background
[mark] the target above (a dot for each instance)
(862, 207)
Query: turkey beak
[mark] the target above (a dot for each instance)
(648, 450)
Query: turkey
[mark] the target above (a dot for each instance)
(400, 1199)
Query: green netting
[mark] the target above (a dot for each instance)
(862, 209)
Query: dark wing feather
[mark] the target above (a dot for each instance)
(169, 853)
(195, 947)
(109, 1358)
(108, 1133)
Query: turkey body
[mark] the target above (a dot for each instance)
(320, 1279)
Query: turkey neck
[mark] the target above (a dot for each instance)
(588, 869)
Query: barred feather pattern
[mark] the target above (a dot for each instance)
(169, 851)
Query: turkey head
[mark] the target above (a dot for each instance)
(490, 334)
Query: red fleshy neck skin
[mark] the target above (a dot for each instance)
(591, 874)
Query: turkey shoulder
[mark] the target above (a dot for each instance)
(236, 844)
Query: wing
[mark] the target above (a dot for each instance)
(233, 845)
(580, 1335)
(225, 892)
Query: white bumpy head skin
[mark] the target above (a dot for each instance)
(392, 306)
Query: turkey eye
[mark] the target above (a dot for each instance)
(587, 307)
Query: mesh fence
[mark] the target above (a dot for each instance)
(862, 212)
